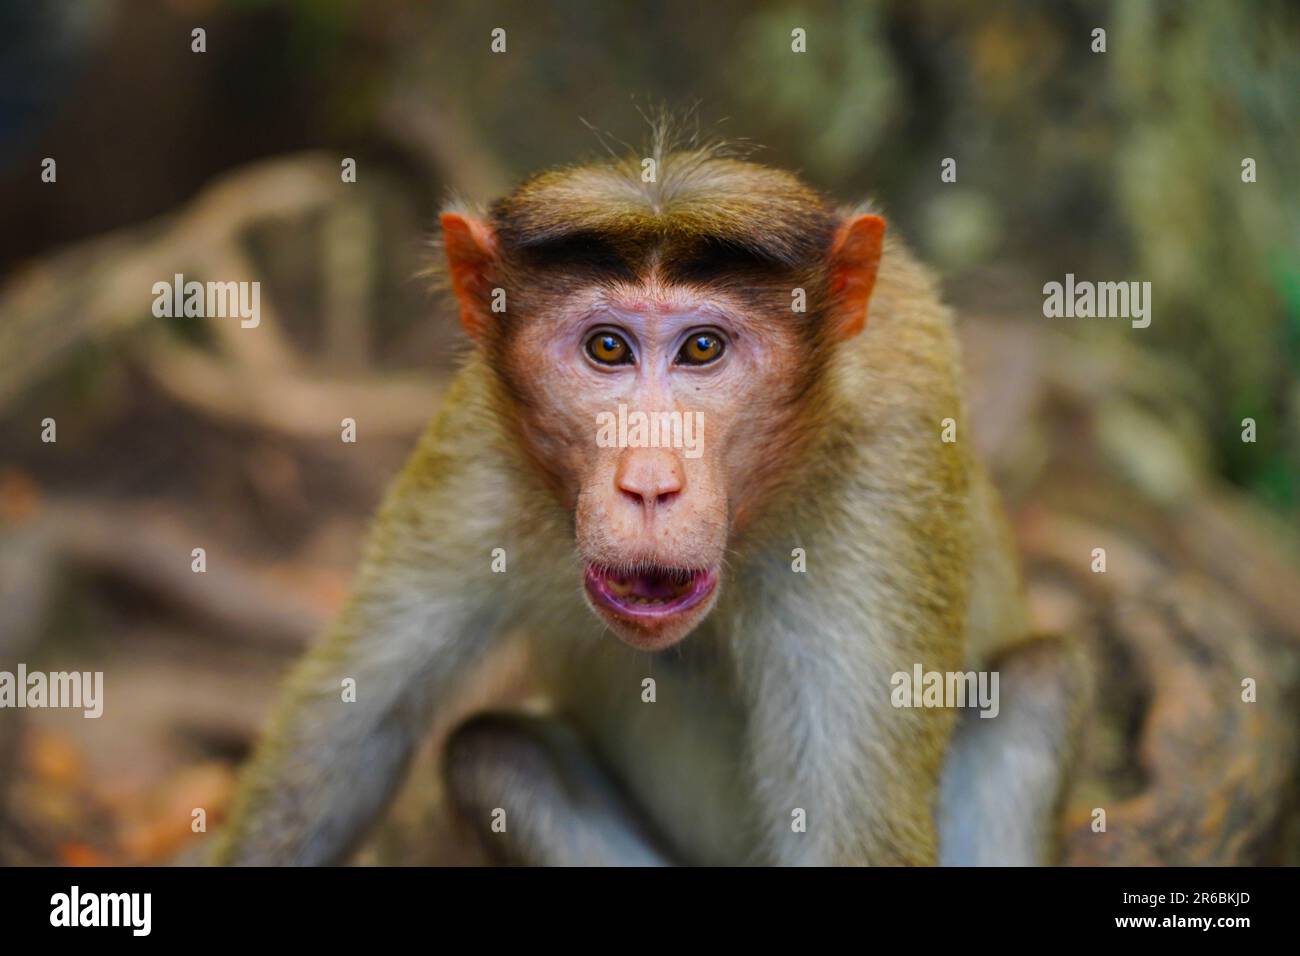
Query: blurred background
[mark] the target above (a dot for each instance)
(174, 434)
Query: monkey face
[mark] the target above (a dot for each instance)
(661, 379)
(654, 410)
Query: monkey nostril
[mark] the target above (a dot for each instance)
(657, 497)
(649, 478)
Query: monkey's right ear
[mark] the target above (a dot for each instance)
(471, 249)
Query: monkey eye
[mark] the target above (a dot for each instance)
(609, 348)
(701, 349)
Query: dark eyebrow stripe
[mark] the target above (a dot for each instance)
(583, 251)
(713, 258)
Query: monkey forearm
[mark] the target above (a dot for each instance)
(342, 736)
(532, 789)
(311, 807)
(423, 612)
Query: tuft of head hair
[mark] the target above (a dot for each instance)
(671, 205)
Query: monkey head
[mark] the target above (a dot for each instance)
(663, 350)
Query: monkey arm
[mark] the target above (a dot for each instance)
(329, 763)
(423, 612)
(537, 796)
(1005, 777)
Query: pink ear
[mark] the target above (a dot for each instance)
(855, 258)
(471, 249)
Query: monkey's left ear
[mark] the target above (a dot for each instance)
(471, 249)
(854, 260)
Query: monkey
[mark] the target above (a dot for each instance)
(713, 635)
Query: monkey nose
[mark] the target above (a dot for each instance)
(649, 476)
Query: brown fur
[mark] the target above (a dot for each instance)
(774, 698)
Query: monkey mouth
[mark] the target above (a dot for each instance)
(648, 593)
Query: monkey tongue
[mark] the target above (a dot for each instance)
(653, 586)
(656, 590)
